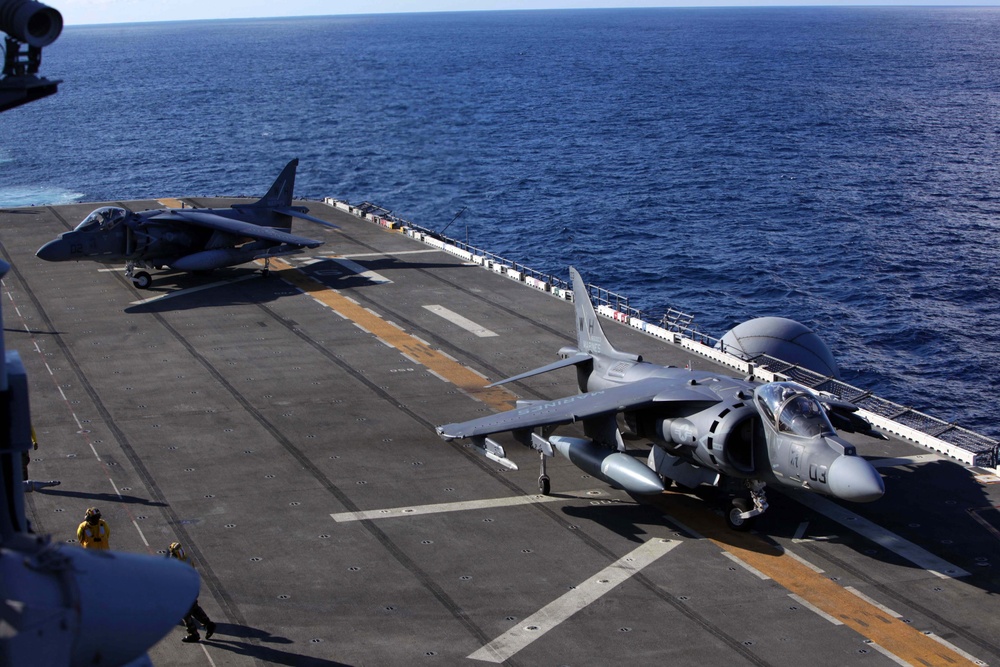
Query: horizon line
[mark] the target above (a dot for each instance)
(745, 4)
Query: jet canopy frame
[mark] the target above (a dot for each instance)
(791, 409)
(103, 219)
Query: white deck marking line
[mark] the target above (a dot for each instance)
(815, 568)
(548, 617)
(442, 378)
(892, 656)
(461, 321)
(439, 508)
(813, 608)
(136, 524)
(917, 459)
(356, 255)
(448, 356)
(356, 269)
(746, 566)
(884, 538)
(877, 605)
(191, 290)
(964, 654)
(210, 661)
(684, 528)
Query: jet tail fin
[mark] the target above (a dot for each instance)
(280, 193)
(590, 337)
(590, 340)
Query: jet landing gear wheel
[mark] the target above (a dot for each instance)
(543, 485)
(543, 479)
(142, 280)
(733, 519)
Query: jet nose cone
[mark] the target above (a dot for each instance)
(852, 478)
(56, 250)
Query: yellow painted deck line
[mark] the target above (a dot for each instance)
(171, 203)
(892, 634)
(420, 352)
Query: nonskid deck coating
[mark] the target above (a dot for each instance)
(244, 419)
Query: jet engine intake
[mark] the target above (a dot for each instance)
(720, 438)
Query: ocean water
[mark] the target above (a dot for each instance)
(832, 165)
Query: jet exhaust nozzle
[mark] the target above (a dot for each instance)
(615, 468)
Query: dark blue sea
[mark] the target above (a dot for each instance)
(833, 165)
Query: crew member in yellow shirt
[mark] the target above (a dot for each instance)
(93, 533)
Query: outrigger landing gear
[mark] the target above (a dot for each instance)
(266, 271)
(543, 479)
(741, 516)
(141, 280)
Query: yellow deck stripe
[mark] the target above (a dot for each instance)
(452, 371)
(171, 203)
(892, 634)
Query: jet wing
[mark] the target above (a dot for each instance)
(296, 213)
(571, 409)
(236, 227)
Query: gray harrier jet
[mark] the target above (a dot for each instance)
(706, 428)
(188, 239)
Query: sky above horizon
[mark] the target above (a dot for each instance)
(81, 12)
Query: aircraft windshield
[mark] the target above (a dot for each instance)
(793, 409)
(103, 218)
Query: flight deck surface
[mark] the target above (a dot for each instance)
(282, 429)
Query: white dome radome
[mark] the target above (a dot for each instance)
(784, 339)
